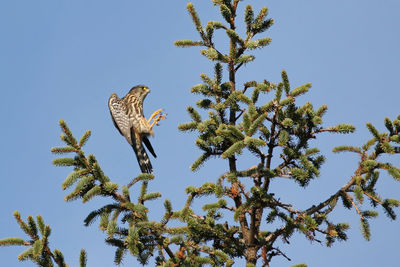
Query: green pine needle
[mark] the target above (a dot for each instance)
(393, 171)
(300, 90)
(210, 53)
(278, 92)
(245, 59)
(346, 148)
(85, 183)
(37, 248)
(316, 120)
(195, 18)
(236, 148)
(224, 257)
(268, 107)
(370, 164)
(283, 138)
(263, 87)
(25, 254)
(285, 81)
(189, 126)
(234, 36)
(253, 112)
(207, 80)
(151, 196)
(396, 124)
(321, 110)
(343, 128)
(119, 255)
(168, 206)
(62, 150)
(265, 25)
(388, 205)
(389, 125)
(201, 88)
(99, 174)
(260, 43)
(373, 130)
(111, 228)
(199, 162)
(287, 122)
(387, 148)
(32, 226)
(287, 101)
(255, 95)
(261, 16)
(69, 138)
(110, 187)
(194, 114)
(245, 99)
(91, 193)
(204, 103)
(226, 12)
(359, 193)
(395, 138)
(218, 73)
(82, 258)
(65, 162)
(369, 143)
(85, 137)
(21, 223)
(125, 192)
(188, 43)
(13, 241)
(216, 205)
(235, 131)
(41, 224)
(246, 123)
(254, 142)
(72, 178)
(256, 124)
(346, 200)
(369, 214)
(365, 229)
(249, 18)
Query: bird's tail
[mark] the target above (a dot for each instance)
(142, 158)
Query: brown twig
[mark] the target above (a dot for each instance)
(374, 199)
(358, 211)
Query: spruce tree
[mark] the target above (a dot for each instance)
(248, 218)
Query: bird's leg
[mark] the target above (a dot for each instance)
(156, 117)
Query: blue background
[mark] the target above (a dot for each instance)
(62, 60)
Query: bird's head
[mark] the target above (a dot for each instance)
(140, 91)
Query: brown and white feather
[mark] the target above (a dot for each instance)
(128, 118)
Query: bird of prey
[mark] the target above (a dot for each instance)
(128, 118)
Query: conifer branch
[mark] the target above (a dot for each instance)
(358, 211)
(271, 145)
(373, 198)
(325, 203)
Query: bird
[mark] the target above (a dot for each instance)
(127, 116)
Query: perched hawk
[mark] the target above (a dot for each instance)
(128, 118)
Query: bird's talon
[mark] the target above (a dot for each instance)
(156, 117)
(157, 112)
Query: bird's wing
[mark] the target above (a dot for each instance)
(120, 117)
(146, 141)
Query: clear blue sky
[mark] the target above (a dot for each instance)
(62, 60)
